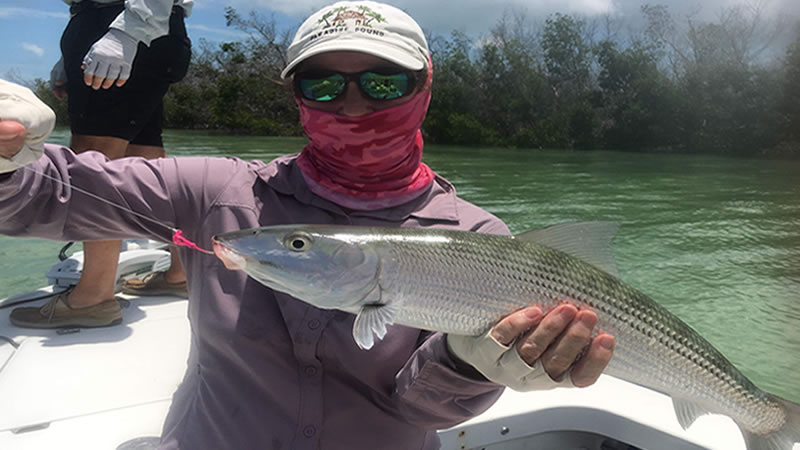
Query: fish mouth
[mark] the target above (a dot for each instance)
(231, 258)
(234, 260)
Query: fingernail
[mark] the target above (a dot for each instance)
(589, 320)
(607, 343)
(568, 313)
(501, 338)
(533, 313)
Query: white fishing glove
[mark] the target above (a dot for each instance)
(19, 104)
(111, 57)
(502, 364)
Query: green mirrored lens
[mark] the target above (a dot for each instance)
(322, 89)
(384, 86)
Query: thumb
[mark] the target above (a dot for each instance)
(12, 140)
(10, 129)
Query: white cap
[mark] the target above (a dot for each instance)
(19, 104)
(362, 26)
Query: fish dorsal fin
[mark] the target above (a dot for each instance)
(587, 241)
(687, 411)
(371, 322)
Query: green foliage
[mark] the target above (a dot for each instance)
(566, 53)
(695, 88)
(634, 98)
(454, 79)
(42, 90)
(790, 106)
(729, 110)
(234, 87)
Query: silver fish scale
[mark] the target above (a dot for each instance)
(465, 284)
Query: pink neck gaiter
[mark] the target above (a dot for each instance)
(368, 162)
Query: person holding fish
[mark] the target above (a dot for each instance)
(266, 369)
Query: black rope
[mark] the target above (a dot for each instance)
(10, 341)
(62, 255)
(28, 300)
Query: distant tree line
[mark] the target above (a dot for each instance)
(567, 83)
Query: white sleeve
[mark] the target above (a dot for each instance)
(144, 20)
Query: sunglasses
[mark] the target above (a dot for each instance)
(376, 84)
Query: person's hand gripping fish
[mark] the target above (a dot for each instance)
(530, 350)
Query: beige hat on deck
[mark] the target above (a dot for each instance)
(362, 26)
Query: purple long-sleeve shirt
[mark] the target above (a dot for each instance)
(265, 370)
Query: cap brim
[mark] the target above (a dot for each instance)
(388, 52)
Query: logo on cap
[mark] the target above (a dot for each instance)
(360, 16)
(339, 19)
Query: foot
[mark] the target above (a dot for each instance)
(85, 295)
(174, 276)
(57, 313)
(156, 283)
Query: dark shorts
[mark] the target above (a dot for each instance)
(133, 112)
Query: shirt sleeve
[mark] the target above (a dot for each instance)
(434, 394)
(144, 20)
(79, 197)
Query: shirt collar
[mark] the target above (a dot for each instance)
(439, 203)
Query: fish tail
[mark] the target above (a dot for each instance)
(784, 438)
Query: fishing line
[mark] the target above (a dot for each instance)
(177, 235)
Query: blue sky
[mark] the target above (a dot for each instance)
(30, 29)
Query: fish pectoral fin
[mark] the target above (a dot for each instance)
(587, 241)
(371, 322)
(687, 411)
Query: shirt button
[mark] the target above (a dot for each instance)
(311, 371)
(314, 324)
(309, 431)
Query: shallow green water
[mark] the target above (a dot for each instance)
(716, 241)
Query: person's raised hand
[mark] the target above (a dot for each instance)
(528, 350)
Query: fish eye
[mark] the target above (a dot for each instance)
(298, 242)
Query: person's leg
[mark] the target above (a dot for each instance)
(100, 258)
(99, 275)
(167, 63)
(145, 151)
(175, 273)
(112, 147)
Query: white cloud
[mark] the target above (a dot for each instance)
(214, 30)
(33, 48)
(591, 7)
